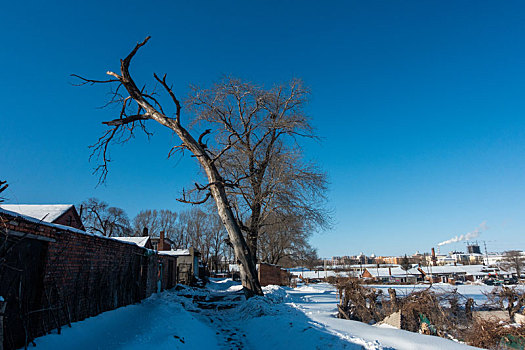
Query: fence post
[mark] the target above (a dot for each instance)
(3, 305)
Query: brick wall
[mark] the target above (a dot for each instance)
(272, 274)
(72, 276)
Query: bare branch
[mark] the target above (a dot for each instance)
(206, 132)
(184, 200)
(129, 119)
(172, 95)
(91, 81)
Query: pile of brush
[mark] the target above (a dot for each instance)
(447, 314)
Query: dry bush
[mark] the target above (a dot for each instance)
(358, 302)
(511, 299)
(491, 334)
(332, 280)
(445, 314)
(429, 304)
(443, 311)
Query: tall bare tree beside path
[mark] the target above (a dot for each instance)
(139, 105)
(257, 130)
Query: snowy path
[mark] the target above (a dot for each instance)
(219, 318)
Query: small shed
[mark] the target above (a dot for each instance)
(187, 264)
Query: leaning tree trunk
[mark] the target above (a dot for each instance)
(216, 184)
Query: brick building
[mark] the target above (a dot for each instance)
(53, 274)
(61, 214)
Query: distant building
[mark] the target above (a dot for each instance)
(393, 275)
(473, 249)
(188, 264)
(436, 274)
(162, 243)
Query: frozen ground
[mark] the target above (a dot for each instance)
(219, 318)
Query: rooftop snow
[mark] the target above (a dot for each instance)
(140, 241)
(57, 226)
(179, 252)
(44, 212)
(429, 270)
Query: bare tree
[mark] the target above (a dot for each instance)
(256, 136)
(156, 221)
(217, 238)
(138, 105)
(98, 217)
(3, 187)
(168, 223)
(514, 259)
(309, 257)
(405, 266)
(198, 232)
(147, 219)
(283, 240)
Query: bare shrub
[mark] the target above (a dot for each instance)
(358, 302)
(491, 334)
(419, 305)
(511, 299)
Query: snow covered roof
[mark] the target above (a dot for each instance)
(38, 221)
(475, 270)
(140, 241)
(178, 252)
(393, 271)
(43, 212)
(57, 226)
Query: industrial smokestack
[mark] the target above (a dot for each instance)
(434, 259)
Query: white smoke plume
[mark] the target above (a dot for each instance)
(465, 237)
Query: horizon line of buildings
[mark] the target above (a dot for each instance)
(473, 256)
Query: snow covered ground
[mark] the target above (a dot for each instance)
(219, 318)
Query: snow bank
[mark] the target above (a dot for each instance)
(159, 322)
(319, 303)
(275, 293)
(224, 284)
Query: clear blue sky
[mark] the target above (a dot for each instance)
(420, 104)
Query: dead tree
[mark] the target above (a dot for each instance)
(137, 106)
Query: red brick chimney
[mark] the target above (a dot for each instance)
(434, 259)
(162, 245)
